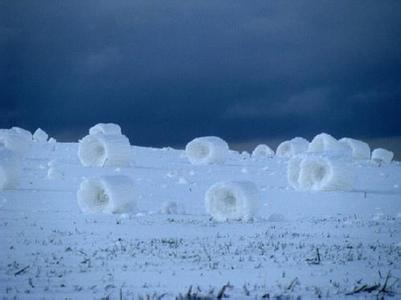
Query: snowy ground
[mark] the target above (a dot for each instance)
(301, 244)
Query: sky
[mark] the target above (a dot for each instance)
(169, 71)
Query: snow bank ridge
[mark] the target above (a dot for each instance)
(106, 128)
(262, 151)
(318, 173)
(381, 155)
(232, 200)
(9, 169)
(292, 147)
(107, 194)
(207, 150)
(100, 150)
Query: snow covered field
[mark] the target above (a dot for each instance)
(306, 244)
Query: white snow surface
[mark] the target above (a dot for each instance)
(306, 244)
(360, 149)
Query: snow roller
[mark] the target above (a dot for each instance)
(292, 147)
(107, 194)
(207, 150)
(232, 200)
(100, 150)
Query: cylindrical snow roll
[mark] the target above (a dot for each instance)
(9, 169)
(325, 174)
(360, 149)
(106, 128)
(234, 200)
(293, 171)
(292, 147)
(100, 150)
(17, 141)
(40, 136)
(262, 151)
(207, 150)
(381, 155)
(107, 194)
(325, 143)
(23, 133)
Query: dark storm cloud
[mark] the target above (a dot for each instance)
(171, 70)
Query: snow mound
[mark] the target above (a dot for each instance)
(325, 143)
(232, 200)
(360, 149)
(104, 150)
(105, 128)
(16, 139)
(292, 147)
(325, 174)
(40, 136)
(9, 169)
(107, 194)
(262, 151)
(381, 155)
(207, 150)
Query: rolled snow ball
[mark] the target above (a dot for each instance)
(106, 128)
(22, 132)
(360, 149)
(100, 150)
(292, 147)
(207, 150)
(326, 143)
(19, 143)
(381, 155)
(54, 173)
(324, 174)
(107, 194)
(232, 200)
(262, 151)
(40, 136)
(293, 171)
(9, 169)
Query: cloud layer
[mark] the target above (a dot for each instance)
(171, 70)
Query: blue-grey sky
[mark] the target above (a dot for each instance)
(168, 71)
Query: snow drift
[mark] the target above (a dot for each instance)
(105, 128)
(107, 194)
(104, 150)
(207, 150)
(292, 147)
(324, 174)
(9, 169)
(16, 139)
(262, 151)
(233, 200)
(360, 149)
(325, 143)
(381, 155)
